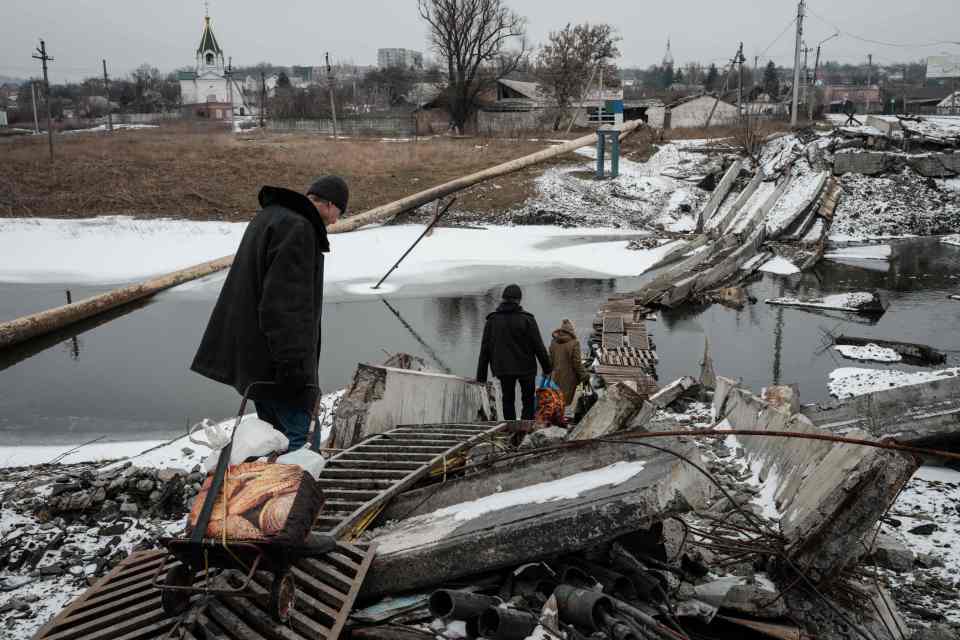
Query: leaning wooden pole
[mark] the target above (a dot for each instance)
(387, 211)
(38, 324)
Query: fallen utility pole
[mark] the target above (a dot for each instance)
(423, 235)
(38, 324)
(22, 329)
(387, 211)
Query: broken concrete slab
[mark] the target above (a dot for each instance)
(925, 414)
(514, 473)
(661, 400)
(827, 496)
(537, 522)
(609, 414)
(380, 398)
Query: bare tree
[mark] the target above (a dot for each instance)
(571, 58)
(472, 36)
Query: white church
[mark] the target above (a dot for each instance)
(210, 91)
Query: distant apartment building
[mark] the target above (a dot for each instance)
(399, 58)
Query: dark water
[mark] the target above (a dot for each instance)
(128, 377)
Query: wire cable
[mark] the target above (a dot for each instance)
(903, 45)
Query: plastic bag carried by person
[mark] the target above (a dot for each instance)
(588, 398)
(254, 438)
(549, 404)
(310, 461)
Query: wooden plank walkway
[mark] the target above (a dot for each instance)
(357, 483)
(622, 346)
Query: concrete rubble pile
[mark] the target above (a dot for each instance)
(595, 534)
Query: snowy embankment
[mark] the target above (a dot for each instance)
(847, 382)
(868, 353)
(662, 191)
(117, 249)
(179, 454)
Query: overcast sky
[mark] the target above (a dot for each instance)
(165, 34)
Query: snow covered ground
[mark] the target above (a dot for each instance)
(953, 240)
(660, 191)
(930, 498)
(118, 249)
(180, 453)
(847, 382)
(895, 205)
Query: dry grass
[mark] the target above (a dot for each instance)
(211, 175)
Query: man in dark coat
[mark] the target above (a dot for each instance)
(265, 326)
(511, 347)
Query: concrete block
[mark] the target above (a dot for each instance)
(936, 165)
(609, 414)
(534, 523)
(926, 414)
(865, 163)
(380, 398)
(829, 495)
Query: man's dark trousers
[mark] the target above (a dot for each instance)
(290, 420)
(508, 385)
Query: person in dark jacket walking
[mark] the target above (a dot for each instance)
(511, 347)
(266, 323)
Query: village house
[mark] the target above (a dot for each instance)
(209, 91)
(692, 112)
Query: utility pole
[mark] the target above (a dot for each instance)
(44, 58)
(106, 90)
(816, 67)
(806, 74)
(869, 79)
(33, 99)
(796, 64)
(756, 70)
(740, 60)
(333, 103)
(263, 95)
(228, 72)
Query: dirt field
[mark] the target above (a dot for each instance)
(153, 173)
(181, 172)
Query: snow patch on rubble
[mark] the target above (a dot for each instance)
(798, 196)
(437, 525)
(780, 266)
(894, 205)
(660, 191)
(870, 353)
(871, 252)
(847, 382)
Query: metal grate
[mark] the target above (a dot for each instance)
(357, 483)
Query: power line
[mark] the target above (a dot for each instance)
(880, 42)
(777, 39)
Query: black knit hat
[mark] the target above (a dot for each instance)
(333, 189)
(512, 292)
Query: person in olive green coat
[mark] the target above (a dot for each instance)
(568, 369)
